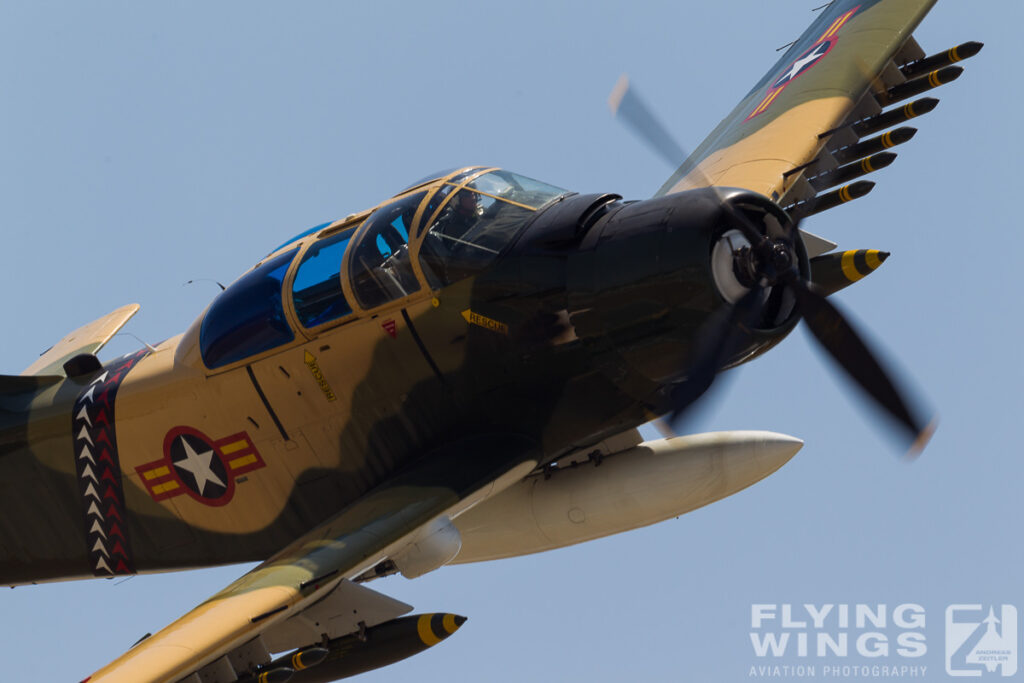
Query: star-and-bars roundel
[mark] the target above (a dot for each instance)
(196, 465)
(807, 59)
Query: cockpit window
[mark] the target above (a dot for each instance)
(441, 174)
(304, 233)
(513, 187)
(380, 266)
(438, 198)
(247, 318)
(477, 222)
(427, 178)
(317, 288)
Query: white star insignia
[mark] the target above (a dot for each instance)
(798, 65)
(199, 464)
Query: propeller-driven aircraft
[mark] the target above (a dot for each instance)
(457, 374)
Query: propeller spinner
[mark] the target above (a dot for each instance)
(761, 270)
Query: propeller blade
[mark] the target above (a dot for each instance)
(717, 340)
(627, 106)
(741, 221)
(721, 335)
(837, 336)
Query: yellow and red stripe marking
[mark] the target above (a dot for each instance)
(838, 24)
(237, 454)
(767, 101)
(829, 36)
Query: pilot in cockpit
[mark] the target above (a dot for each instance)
(464, 212)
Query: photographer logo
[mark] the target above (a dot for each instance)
(981, 640)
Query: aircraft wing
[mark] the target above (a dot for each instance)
(311, 569)
(840, 71)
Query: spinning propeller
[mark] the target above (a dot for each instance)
(765, 261)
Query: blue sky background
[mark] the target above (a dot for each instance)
(144, 145)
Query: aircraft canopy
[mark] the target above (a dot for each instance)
(438, 232)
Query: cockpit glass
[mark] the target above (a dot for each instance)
(427, 178)
(304, 233)
(477, 222)
(380, 266)
(317, 288)
(513, 187)
(247, 318)
(441, 174)
(436, 200)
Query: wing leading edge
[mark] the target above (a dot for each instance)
(831, 75)
(378, 525)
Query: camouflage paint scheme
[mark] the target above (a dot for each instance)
(352, 404)
(754, 151)
(359, 431)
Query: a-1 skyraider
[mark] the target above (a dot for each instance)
(457, 375)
